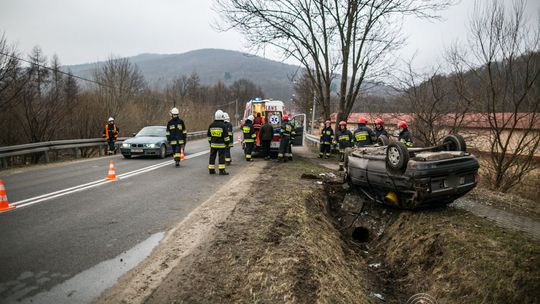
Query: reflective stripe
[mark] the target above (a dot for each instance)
(231, 145)
(171, 127)
(211, 166)
(181, 142)
(185, 132)
(214, 145)
(249, 140)
(253, 135)
(280, 155)
(248, 155)
(221, 167)
(209, 138)
(227, 159)
(173, 142)
(168, 133)
(176, 154)
(227, 139)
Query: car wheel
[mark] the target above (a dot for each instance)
(127, 156)
(397, 157)
(454, 142)
(383, 140)
(162, 151)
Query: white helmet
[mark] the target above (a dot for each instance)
(250, 117)
(111, 119)
(174, 111)
(226, 117)
(219, 115)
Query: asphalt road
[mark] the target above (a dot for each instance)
(46, 242)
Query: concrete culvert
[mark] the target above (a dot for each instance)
(360, 234)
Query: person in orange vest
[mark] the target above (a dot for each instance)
(111, 134)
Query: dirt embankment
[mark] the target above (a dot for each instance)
(277, 246)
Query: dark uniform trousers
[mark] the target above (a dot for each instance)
(220, 153)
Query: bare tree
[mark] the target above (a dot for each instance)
(120, 81)
(504, 79)
(304, 94)
(12, 78)
(352, 38)
(436, 108)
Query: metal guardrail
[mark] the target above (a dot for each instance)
(75, 144)
(312, 138)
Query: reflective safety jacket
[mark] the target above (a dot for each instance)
(405, 138)
(363, 136)
(218, 136)
(287, 130)
(327, 136)
(231, 134)
(111, 131)
(176, 131)
(249, 132)
(344, 138)
(379, 132)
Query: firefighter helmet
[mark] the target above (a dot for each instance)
(111, 119)
(327, 122)
(250, 117)
(343, 123)
(379, 121)
(402, 124)
(226, 117)
(219, 115)
(362, 120)
(174, 111)
(285, 117)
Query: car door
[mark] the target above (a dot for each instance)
(299, 123)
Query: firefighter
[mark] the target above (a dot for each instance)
(176, 135)
(325, 142)
(249, 137)
(218, 138)
(404, 136)
(379, 128)
(228, 158)
(363, 135)
(111, 134)
(287, 135)
(345, 141)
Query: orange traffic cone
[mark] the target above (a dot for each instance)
(4, 204)
(182, 154)
(112, 172)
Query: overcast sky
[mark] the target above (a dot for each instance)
(87, 31)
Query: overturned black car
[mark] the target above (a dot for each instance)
(411, 178)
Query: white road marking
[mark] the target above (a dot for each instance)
(44, 197)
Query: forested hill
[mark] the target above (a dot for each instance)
(213, 65)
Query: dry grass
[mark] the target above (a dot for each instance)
(459, 258)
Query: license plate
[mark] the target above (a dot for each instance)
(136, 150)
(274, 144)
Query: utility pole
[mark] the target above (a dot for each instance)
(313, 113)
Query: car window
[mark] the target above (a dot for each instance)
(152, 132)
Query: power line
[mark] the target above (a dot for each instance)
(58, 70)
(86, 79)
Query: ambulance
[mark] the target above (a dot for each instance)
(265, 110)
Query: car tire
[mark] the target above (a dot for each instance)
(162, 151)
(454, 142)
(397, 157)
(383, 140)
(127, 156)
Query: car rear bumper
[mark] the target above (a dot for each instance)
(432, 184)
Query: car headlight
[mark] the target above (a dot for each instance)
(151, 145)
(124, 145)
